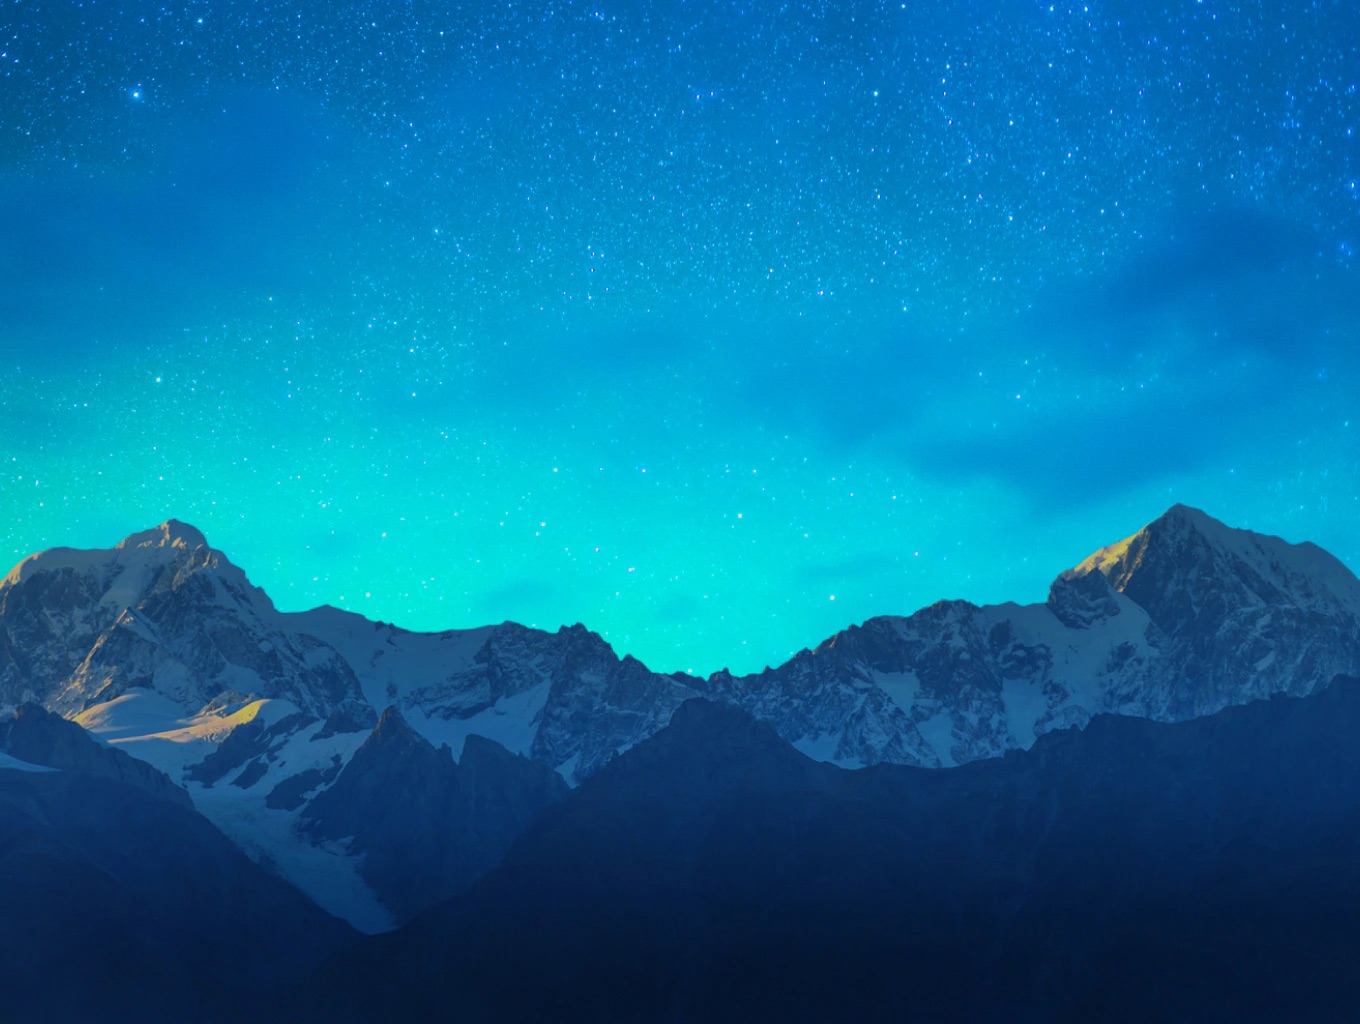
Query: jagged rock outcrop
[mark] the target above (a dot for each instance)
(426, 826)
(563, 698)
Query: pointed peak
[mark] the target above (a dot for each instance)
(580, 642)
(1181, 511)
(708, 747)
(579, 632)
(393, 737)
(393, 730)
(147, 550)
(1186, 550)
(1177, 521)
(170, 534)
(702, 713)
(1190, 518)
(392, 721)
(179, 532)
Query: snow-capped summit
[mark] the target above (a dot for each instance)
(161, 611)
(141, 553)
(163, 646)
(170, 534)
(1167, 565)
(1239, 614)
(160, 558)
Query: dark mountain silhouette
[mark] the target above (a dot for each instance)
(120, 902)
(428, 827)
(1134, 870)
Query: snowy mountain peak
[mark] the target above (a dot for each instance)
(1191, 516)
(1186, 554)
(1176, 525)
(170, 534)
(132, 568)
(160, 611)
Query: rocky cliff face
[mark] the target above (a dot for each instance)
(428, 827)
(1238, 616)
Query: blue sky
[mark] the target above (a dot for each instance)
(716, 328)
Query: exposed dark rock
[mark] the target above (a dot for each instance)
(250, 740)
(428, 827)
(1079, 599)
(289, 794)
(251, 774)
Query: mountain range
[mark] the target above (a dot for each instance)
(1201, 871)
(506, 788)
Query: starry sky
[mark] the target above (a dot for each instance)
(716, 326)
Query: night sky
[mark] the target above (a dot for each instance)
(714, 326)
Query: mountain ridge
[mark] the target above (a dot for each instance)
(163, 646)
(1135, 870)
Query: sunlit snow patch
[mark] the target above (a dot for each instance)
(154, 728)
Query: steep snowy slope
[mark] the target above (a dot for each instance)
(162, 648)
(1240, 615)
